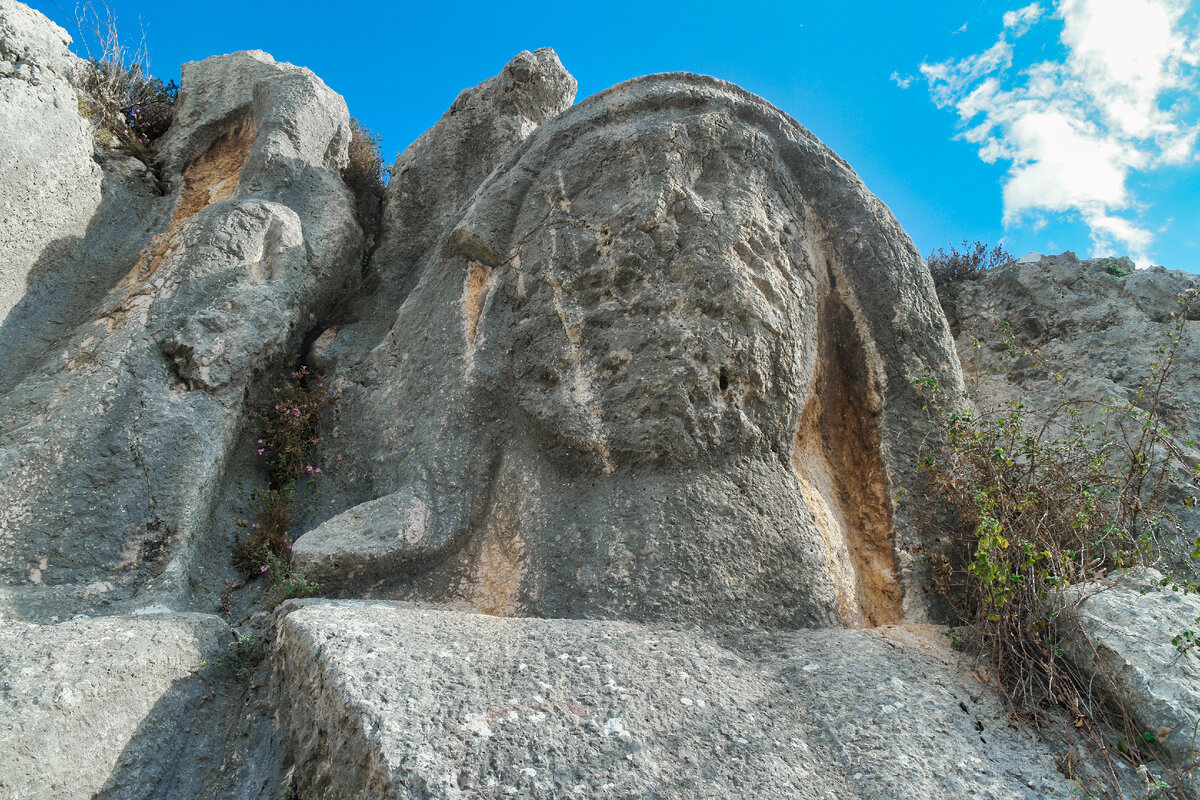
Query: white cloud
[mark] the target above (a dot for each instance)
(1111, 234)
(1074, 130)
(903, 81)
(1023, 19)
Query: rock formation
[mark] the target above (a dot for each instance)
(626, 396)
(658, 367)
(574, 708)
(1106, 335)
(128, 358)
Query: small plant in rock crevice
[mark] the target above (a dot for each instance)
(285, 583)
(364, 176)
(1042, 502)
(241, 657)
(291, 425)
(1115, 268)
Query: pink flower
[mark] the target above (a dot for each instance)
(297, 412)
(339, 391)
(317, 471)
(339, 456)
(276, 406)
(255, 525)
(263, 568)
(260, 441)
(309, 468)
(260, 451)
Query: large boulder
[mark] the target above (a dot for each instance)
(1139, 639)
(396, 702)
(658, 367)
(116, 431)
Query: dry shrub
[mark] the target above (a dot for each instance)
(948, 265)
(118, 91)
(1039, 502)
(364, 175)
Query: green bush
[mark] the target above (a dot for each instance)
(1115, 268)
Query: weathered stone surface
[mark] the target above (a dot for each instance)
(114, 440)
(431, 181)
(1122, 633)
(49, 184)
(660, 368)
(75, 696)
(1103, 333)
(399, 702)
(647, 359)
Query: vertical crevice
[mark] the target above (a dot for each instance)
(837, 458)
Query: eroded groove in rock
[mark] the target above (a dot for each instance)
(213, 175)
(210, 177)
(839, 465)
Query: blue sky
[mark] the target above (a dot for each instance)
(1051, 126)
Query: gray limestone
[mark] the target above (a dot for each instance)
(659, 367)
(75, 696)
(1123, 633)
(49, 184)
(399, 702)
(116, 431)
(632, 376)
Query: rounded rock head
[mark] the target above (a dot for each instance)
(658, 367)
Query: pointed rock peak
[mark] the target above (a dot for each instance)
(534, 85)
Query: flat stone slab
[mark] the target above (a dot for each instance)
(75, 696)
(391, 701)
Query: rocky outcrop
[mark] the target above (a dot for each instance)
(658, 368)
(394, 702)
(1136, 637)
(1102, 326)
(433, 179)
(119, 420)
(51, 184)
(641, 367)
